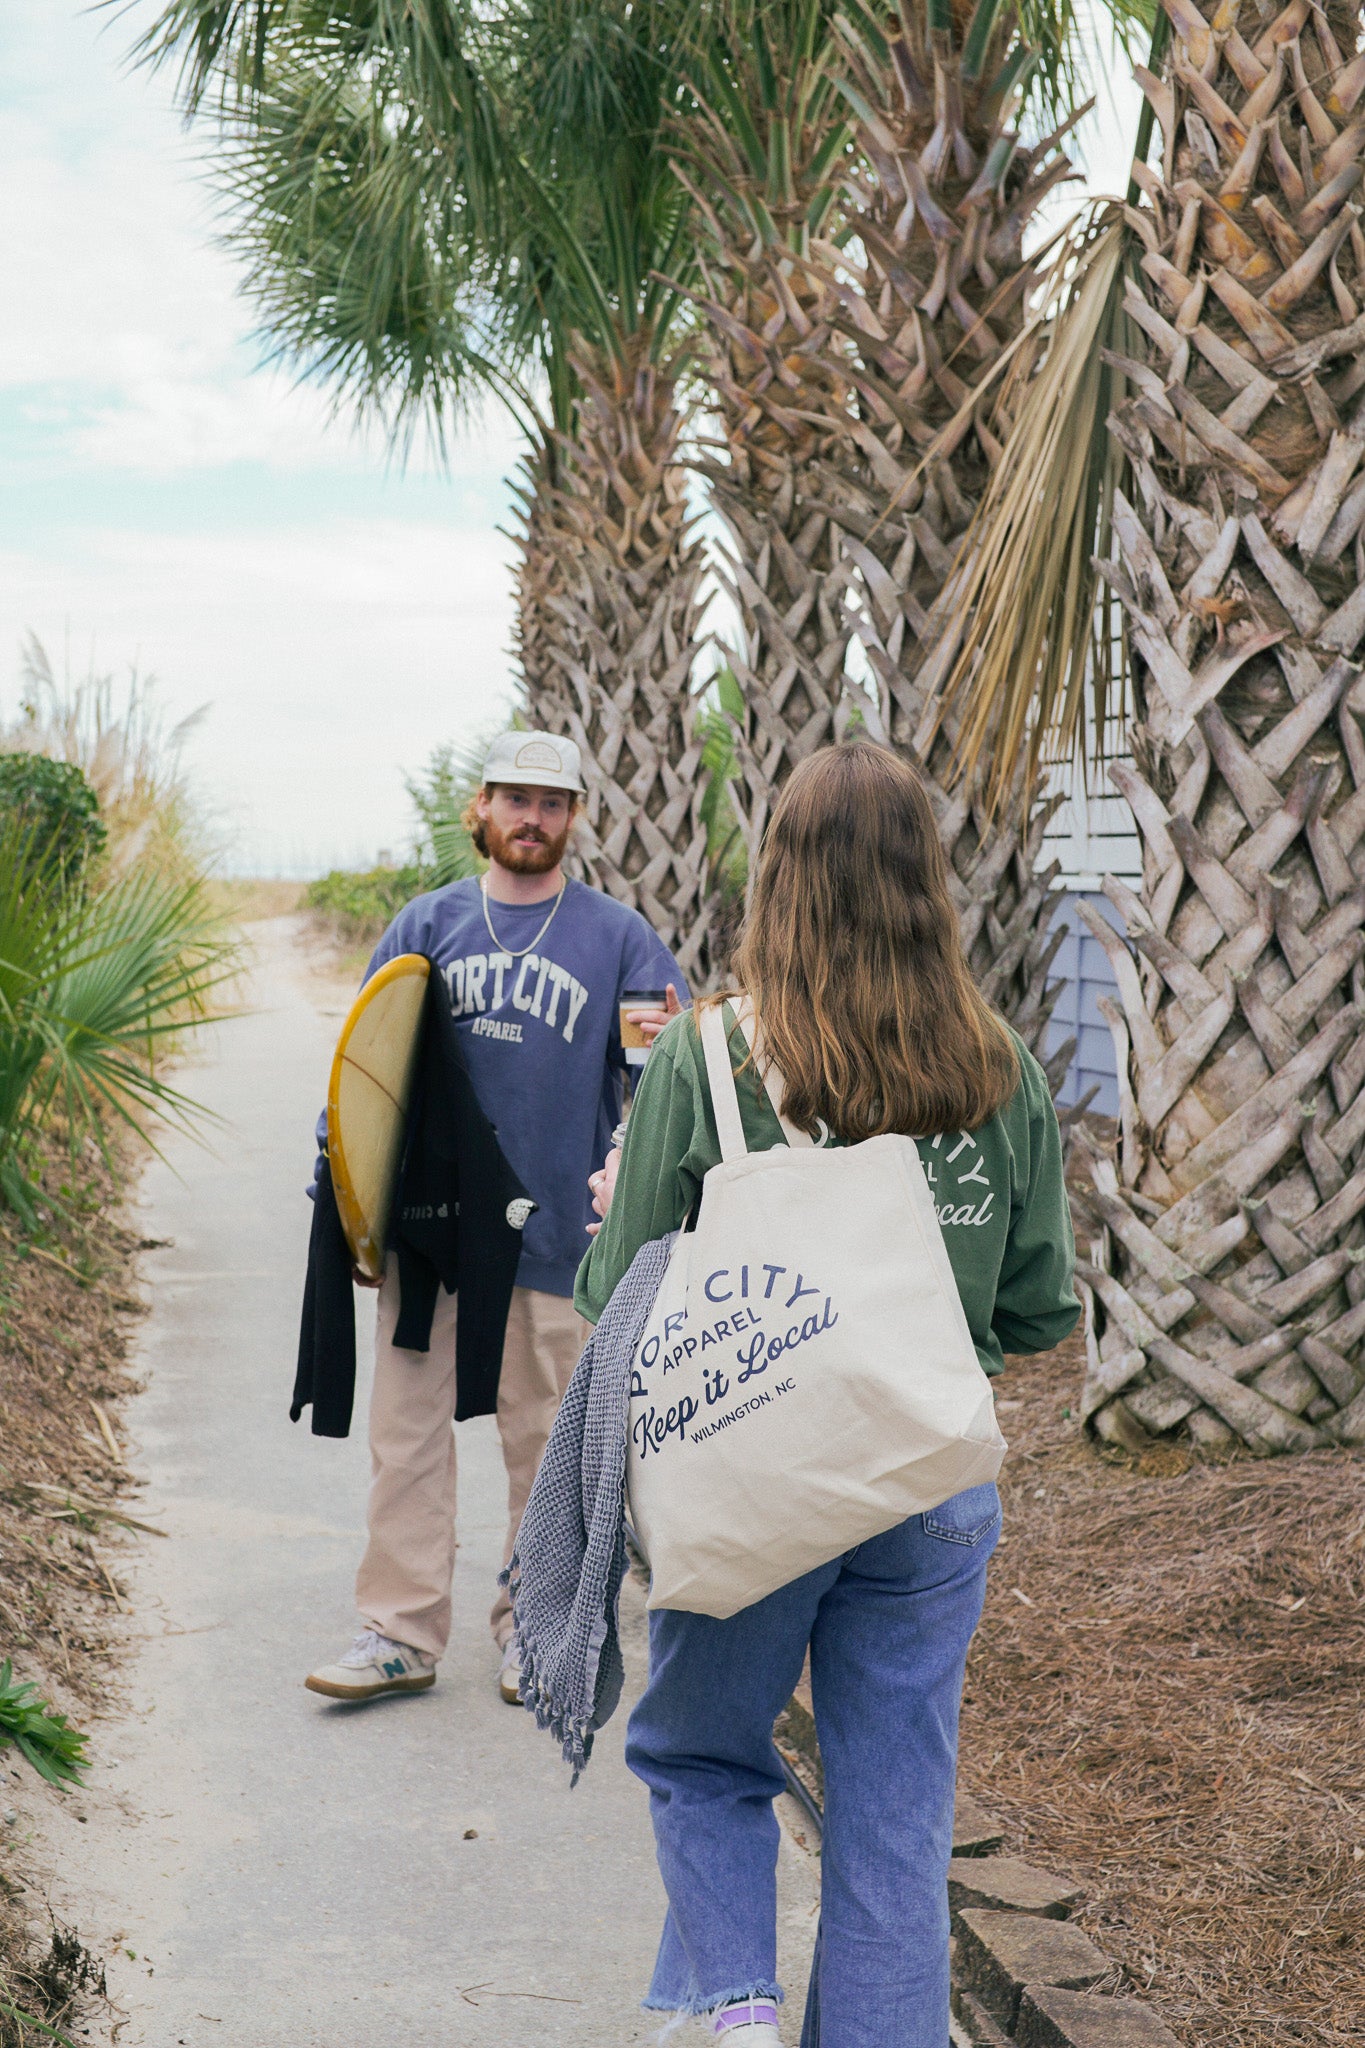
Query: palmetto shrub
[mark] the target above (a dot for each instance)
(359, 903)
(96, 984)
(110, 951)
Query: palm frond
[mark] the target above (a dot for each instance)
(223, 49)
(1161, 36)
(721, 721)
(374, 260)
(94, 988)
(1062, 41)
(761, 127)
(363, 256)
(440, 796)
(1038, 631)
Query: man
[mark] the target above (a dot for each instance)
(534, 968)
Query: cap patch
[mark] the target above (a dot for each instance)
(539, 754)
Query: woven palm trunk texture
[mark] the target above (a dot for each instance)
(788, 574)
(608, 635)
(1225, 1268)
(941, 205)
(546, 544)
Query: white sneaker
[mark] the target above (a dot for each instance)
(747, 2023)
(373, 1664)
(509, 1677)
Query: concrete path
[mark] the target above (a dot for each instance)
(267, 1870)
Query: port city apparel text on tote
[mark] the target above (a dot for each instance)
(807, 1378)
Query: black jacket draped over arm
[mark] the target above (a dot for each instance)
(456, 1222)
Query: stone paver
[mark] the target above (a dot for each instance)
(1007, 1884)
(998, 1953)
(976, 1831)
(1052, 2018)
(974, 2024)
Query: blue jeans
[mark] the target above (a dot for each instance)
(888, 1626)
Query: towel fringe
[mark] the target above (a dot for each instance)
(569, 1562)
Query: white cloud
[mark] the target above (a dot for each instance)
(334, 659)
(124, 297)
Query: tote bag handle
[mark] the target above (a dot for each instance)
(720, 1074)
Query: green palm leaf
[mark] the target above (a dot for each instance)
(94, 990)
(43, 1737)
(28, 2019)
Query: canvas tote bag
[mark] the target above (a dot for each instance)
(807, 1378)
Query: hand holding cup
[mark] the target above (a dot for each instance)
(643, 1017)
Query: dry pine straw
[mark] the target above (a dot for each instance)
(63, 1345)
(1165, 1701)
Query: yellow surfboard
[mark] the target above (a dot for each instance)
(367, 1102)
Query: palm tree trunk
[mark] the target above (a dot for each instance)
(608, 635)
(546, 545)
(787, 576)
(832, 378)
(940, 210)
(754, 154)
(1226, 1270)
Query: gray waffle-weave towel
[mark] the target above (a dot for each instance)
(566, 1571)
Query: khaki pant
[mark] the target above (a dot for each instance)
(403, 1585)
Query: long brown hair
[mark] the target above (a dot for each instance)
(852, 958)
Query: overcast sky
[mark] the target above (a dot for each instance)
(171, 503)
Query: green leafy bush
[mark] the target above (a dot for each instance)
(720, 717)
(362, 904)
(53, 804)
(42, 1736)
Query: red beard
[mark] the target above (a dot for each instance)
(527, 851)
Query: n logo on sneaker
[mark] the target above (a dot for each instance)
(396, 1669)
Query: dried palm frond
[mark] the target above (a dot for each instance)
(1039, 622)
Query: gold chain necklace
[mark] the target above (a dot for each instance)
(483, 894)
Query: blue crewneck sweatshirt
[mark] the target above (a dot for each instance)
(540, 1032)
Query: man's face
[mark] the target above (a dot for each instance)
(527, 829)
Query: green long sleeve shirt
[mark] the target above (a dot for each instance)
(999, 1192)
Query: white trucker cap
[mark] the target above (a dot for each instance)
(537, 760)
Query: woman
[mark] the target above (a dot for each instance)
(852, 960)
